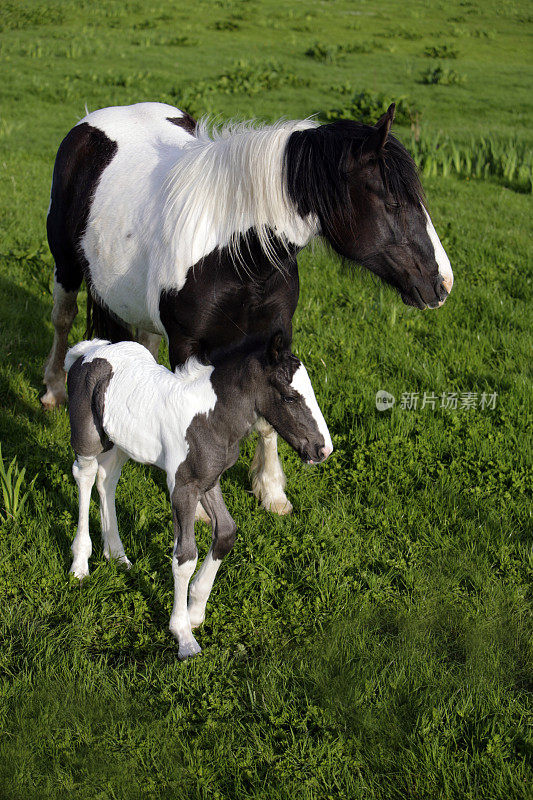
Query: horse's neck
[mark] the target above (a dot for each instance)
(220, 189)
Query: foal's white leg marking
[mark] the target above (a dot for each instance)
(109, 468)
(149, 340)
(64, 311)
(201, 587)
(84, 471)
(268, 478)
(443, 262)
(180, 625)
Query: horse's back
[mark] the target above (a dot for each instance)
(107, 177)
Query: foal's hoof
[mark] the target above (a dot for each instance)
(49, 400)
(79, 572)
(278, 505)
(189, 650)
(122, 560)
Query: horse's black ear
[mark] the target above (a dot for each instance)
(376, 140)
(275, 347)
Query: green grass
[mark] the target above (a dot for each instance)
(377, 644)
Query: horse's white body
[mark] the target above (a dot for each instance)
(168, 198)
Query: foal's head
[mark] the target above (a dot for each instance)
(362, 185)
(285, 398)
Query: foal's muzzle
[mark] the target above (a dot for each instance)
(421, 296)
(319, 454)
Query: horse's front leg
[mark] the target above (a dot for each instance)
(268, 478)
(184, 558)
(224, 530)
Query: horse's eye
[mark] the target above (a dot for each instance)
(288, 398)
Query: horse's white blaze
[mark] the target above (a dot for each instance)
(302, 384)
(185, 195)
(148, 409)
(445, 269)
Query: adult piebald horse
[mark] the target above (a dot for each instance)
(193, 235)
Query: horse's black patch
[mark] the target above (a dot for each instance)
(186, 122)
(83, 155)
(87, 384)
(225, 298)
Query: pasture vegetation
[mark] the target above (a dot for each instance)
(377, 644)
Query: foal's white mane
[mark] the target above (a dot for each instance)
(192, 370)
(230, 179)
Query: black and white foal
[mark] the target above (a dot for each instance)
(123, 405)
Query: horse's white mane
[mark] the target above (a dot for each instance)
(230, 179)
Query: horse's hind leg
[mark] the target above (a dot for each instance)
(268, 478)
(63, 314)
(150, 340)
(84, 470)
(109, 468)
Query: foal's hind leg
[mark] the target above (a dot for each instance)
(109, 468)
(84, 470)
(268, 478)
(63, 314)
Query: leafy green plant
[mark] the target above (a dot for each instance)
(441, 51)
(11, 482)
(368, 106)
(506, 159)
(226, 25)
(321, 51)
(443, 76)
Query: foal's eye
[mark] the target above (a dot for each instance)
(288, 398)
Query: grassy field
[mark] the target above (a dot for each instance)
(378, 643)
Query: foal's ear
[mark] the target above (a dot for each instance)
(275, 347)
(378, 137)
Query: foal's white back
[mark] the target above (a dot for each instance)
(148, 409)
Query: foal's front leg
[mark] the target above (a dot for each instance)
(224, 529)
(184, 558)
(268, 478)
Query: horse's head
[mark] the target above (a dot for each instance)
(363, 187)
(285, 398)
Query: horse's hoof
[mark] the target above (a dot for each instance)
(197, 620)
(280, 505)
(51, 400)
(202, 515)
